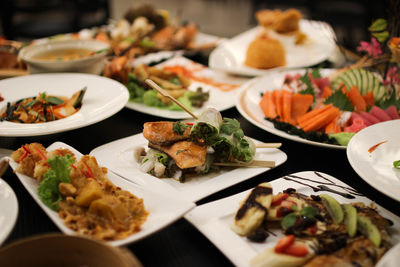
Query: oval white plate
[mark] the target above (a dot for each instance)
(376, 167)
(8, 210)
(119, 157)
(163, 209)
(250, 96)
(104, 97)
(230, 55)
(221, 100)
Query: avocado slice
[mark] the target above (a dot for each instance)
(333, 207)
(350, 219)
(368, 229)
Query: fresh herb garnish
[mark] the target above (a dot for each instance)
(307, 81)
(59, 173)
(290, 219)
(396, 164)
(179, 127)
(340, 100)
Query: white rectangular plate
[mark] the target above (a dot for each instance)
(217, 81)
(119, 157)
(163, 209)
(214, 219)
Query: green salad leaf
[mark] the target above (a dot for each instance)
(396, 164)
(340, 100)
(60, 167)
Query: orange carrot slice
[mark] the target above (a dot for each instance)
(311, 114)
(300, 105)
(356, 99)
(369, 99)
(286, 106)
(277, 97)
(320, 120)
(267, 105)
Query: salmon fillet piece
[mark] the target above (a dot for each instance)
(186, 154)
(161, 132)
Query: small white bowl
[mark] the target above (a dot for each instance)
(93, 64)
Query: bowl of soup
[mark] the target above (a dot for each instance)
(85, 56)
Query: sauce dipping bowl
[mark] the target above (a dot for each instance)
(65, 251)
(93, 63)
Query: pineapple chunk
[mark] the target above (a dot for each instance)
(88, 193)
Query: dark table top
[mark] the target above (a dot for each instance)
(181, 244)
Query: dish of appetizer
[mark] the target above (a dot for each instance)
(43, 108)
(82, 197)
(302, 219)
(194, 158)
(194, 85)
(373, 153)
(318, 106)
(282, 40)
(49, 103)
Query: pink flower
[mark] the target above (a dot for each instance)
(373, 49)
(392, 76)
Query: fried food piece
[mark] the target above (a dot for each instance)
(282, 22)
(265, 53)
(186, 154)
(161, 132)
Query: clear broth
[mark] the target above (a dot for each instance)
(64, 54)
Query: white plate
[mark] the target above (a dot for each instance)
(219, 99)
(119, 157)
(376, 167)
(229, 56)
(104, 97)
(8, 210)
(163, 209)
(214, 219)
(391, 258)
(250, 96)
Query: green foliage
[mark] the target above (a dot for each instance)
(340, 100)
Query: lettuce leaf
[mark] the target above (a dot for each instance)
(60, 167)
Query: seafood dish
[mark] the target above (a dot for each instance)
(284, 22)
(43, 108)
(317, 229)
(80, 192)
(178, 149)
(332, 108)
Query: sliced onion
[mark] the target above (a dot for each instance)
(138, 154)
(159, 169)
(147, 166)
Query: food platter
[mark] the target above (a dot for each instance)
(211, 81)
(104, 97)
(119, 157)
(248, 104)
(229, 56)
(375, 166)
(8, 210)
(214, 219)
(163, 209)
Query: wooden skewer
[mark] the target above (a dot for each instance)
(254, 163)
(164, 93)
(269, 145)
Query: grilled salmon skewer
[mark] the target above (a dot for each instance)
(162, 132)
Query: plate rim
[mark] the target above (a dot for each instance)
(9, 228)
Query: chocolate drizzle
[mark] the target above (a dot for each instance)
(324, 186)
(251, 201)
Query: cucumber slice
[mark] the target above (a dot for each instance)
(368, 229)
(350, 219)
(333, 207)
